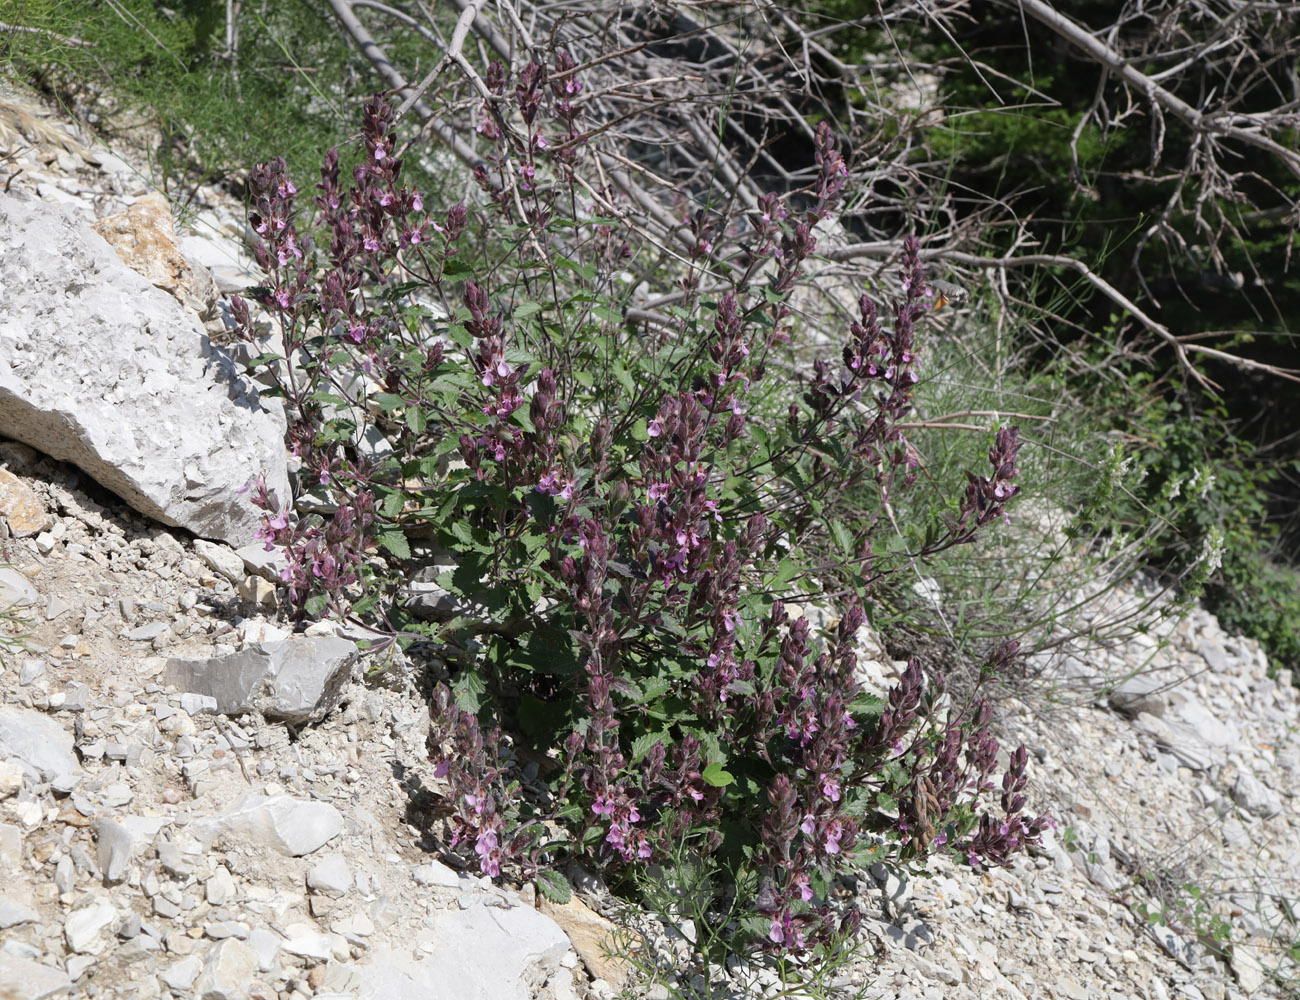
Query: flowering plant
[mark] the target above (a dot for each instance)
(628, 513)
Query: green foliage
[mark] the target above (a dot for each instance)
(291, 86)
(1260, 598)
(717, 903)
(631, 509)
(1212, 490)
(554, 886)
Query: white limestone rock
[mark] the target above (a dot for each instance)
(291, 826)
(101, 369)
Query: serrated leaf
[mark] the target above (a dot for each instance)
(416, 419)
(460, 335)
(554, 886)
(785, 572)
(393, 504)
(461, 531)
(387, 401)
(643, 744)
(469, 690)
(525, 310)
(394, 540)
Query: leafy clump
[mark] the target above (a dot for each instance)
(621, 512)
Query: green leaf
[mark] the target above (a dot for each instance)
(843, 539)
(554, 886)
(394, 540)
(525, 310)
(460, 335)
(454, 267)
(624, 379)
(785, 572)
(387, 401)
(469, 690)
(646, 742)
(714, 775)
(393, 504)
(416, 419)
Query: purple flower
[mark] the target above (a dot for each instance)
(654, 428)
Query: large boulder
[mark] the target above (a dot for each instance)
(103, 370)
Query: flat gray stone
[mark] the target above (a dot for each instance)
(220, 559)
(147, 633)
(519, 939)
(113, 848)
(118, 842)
(1215, 656)
(291, 826)
(298, 680)
(228, 971)
(11, 848)
(436, 873)
(1140, 694)
(306, 941)
(330, 876)
(21, 979)
(266, 944)
(1254, 797)
(84, 929)
(260, 562)
(182, 974)
(43, 745)
(13, 913)
(1206, 727)
(101, 369)
(220, 888)
(15, 590)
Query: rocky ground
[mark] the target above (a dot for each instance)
(194, 802)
